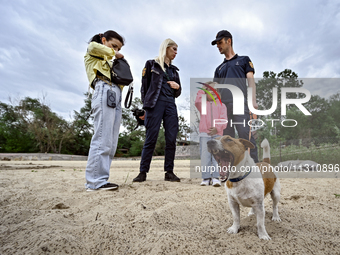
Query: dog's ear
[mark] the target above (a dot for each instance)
(246, 143)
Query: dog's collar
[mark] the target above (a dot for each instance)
(240, 178)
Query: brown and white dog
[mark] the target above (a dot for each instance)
(248, 183)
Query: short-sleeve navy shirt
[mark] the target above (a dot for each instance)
(234, 71)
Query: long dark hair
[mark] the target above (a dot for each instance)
(108, 35)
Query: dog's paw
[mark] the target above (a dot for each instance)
(276, 218)
(265, 237)
(232, 230)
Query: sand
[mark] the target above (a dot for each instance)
(45, 210)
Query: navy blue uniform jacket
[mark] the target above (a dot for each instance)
(152, 79)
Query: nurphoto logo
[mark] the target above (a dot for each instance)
(238, 102)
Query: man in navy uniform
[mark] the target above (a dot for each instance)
(235, 70)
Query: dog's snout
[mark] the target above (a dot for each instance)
(211, 143)
(212, 146)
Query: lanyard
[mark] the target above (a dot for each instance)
(166, 74)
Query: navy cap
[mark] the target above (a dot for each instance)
(220, 35)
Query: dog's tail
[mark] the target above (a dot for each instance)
(266, 151)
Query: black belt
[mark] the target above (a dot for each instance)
(102, 78)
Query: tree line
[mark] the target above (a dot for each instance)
(31, 126)
(323, 126)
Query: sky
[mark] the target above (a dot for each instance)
(43, 43)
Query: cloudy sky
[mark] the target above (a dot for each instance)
(42, 43)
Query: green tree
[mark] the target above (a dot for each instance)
(31, 126)
(82, 130)
(49, 130)
(318, 128)
(264, 93)
(14, 134)
(334, 108)
(184, 128)
(132, 138)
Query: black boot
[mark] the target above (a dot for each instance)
(171, 177)
(141, 177)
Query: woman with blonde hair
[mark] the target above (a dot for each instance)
(160, 87)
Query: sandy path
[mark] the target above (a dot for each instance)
(45, 210)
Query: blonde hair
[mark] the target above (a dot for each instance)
(162, 51)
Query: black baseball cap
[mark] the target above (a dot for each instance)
(220, 35)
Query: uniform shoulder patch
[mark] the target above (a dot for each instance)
(144, 70)
(251, 64)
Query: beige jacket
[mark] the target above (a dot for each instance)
(92, 65)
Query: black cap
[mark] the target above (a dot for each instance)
(220, 35)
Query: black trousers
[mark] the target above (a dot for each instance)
(166, 111)
(238, 122)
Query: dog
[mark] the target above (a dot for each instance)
(138, 113)
(246, 185)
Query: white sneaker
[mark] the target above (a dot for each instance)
(205, 182)
(216, 182)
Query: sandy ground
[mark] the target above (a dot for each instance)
(44, 209)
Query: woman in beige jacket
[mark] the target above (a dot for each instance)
(106, 114)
